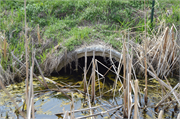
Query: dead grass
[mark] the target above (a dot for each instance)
(162, 52)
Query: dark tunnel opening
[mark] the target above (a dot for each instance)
(70, 69)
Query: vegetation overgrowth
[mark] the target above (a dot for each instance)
(75, 22)
(37, 34)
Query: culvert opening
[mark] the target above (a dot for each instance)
(103, 63)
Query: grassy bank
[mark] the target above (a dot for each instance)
(72, 23)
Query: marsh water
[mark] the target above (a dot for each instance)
(49, 102)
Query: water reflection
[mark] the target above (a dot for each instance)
(48, 103)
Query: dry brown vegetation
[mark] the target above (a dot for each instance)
(156, 56)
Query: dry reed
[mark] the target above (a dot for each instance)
(136, 100)
(85, 86)
(160, 116)
(93, 79)
(38, 34)
(26, 49)
(145, 58)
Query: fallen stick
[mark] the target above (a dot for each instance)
(163, 83)
(169, 103)
(73, 88)
(156, 77)
(75, 111)
(108, 68)
(167, 95)
(98, 77)
(45, 84)
(28, 69)
(53, 82)
(111, 105)
(61, 92)
(99, 74)
(101, 113)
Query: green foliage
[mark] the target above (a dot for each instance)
(173, 17)
(93, 13)
(43, 57)
(56, 30)
(11, 4)
(70, 43)
(78, 35)
(38, 13)
(72, 22)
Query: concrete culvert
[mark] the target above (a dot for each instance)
(55, 64)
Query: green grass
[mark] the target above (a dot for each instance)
(74, 22)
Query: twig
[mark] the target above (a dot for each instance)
(53, 82)
(25, 66)
(166, 96)
(108, 68)
(62, 113)
(6, 91)
(45, 84)
(101, 113)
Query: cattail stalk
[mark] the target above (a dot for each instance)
(85, 86)
(93, 80)
(26, 48)
(38, 34)
(124, 81)
(136, 100)
(145, 59)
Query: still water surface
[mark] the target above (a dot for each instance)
(48, 103)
